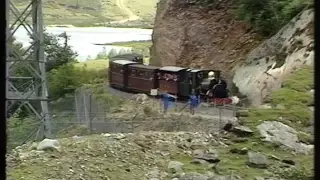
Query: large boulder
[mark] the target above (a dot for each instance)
(257, 160)
(48, 144)
(175, 167)
(277, 132)
(242, 131)
(141, 98)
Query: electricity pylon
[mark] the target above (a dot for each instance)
(29, 91)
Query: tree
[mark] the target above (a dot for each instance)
(57, 54)
(122, 51)
(268, 16)
(112, 53)
(62, 80)
(103, 54)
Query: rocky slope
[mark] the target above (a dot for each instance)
(266, 150)
(272, 61)
(187, 35)
(151, 156)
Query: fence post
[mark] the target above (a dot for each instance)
(220, 114)
(90, 118)
(85, 110)
(77, 106)
(176, 104)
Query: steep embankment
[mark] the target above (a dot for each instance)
(187, 35)
(271, 62)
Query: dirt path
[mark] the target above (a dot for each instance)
(131, 15)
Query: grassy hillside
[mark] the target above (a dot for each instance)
(93, 64)
(294, 96)
(94, 13)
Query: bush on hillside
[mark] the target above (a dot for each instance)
(20, 130)
(268, 16)
(67, 78)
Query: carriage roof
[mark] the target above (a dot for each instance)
(123, 62)
(199, 70)
(172, 68)
(144, 66)
(126, 56)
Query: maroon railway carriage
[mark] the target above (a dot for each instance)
(170, 78)
(142, 78)
(118, 73)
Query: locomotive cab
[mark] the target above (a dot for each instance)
(203, 80)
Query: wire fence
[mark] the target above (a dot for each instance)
(82, 114)
(97, 117)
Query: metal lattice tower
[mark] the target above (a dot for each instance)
(31, 91)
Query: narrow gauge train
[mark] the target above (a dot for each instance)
(128, 73)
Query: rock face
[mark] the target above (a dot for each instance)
(267, 65)
(277, 132)
(187, 35)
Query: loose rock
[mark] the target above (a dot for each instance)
(211, 157)
(288, 161)
(242, 130)
(257, 160)
(48, 144)
(193, 176)
(242, 151)
(277, 132)
(175, 167)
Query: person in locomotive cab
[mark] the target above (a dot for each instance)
(213, 81)
(219, 90)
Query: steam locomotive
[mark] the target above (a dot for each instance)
(128, 73)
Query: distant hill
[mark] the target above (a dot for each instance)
(136, 13)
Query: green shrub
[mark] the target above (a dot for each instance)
(67, 78)
(19, 129)
(268, 16)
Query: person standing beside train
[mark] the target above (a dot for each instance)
(166, 97)
(194, 101)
